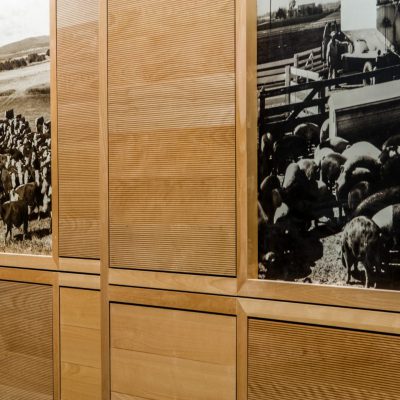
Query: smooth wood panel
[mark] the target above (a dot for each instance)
(376, 321)
(386, 300)
(171, 125)
(80, 382)
(295, 361)
(79, 280)
(171, 299)
(78, 127)
(193, 355)
(121, 396)
(80, 344)
(174, 333)
(26, 341)
(80, 308)
(79, 265)
(173, 281)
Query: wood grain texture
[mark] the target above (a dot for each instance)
(246, 138)
(80, 382)
(171, 299)
(80, 338)
(367, 320)
(293, 361)
(27, 261)
(78, 127)
(79, 280)
(80, 308)
(79, 265)
(173, 281)
(385, 300)
(186, 354)
(171, 123)
(26, 341)
(173, 333)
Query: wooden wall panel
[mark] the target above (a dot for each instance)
(171, 73)
(26, 341)
(289, 361)
(161, 353)
(78, 127)
(80, 344)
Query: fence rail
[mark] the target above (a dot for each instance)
(284, 117)
(272, 75)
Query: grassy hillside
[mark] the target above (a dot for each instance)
(24, 47)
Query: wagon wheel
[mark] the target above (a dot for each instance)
(368, 67)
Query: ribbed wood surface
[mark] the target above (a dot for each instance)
(164, 354)
(78, 127)
(292, 361)
(26, 341)
(171, 69)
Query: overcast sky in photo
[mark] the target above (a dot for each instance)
(263, 5)
(20, 19)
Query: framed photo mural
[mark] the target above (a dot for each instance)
(25, 127)
(328, 80)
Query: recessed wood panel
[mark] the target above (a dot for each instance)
(78, 127)
(289, 361)
(26, 341)
(171, 123)
(161, 353)
(80, 344)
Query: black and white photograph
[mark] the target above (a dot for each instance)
(25, 127)
(328, 83)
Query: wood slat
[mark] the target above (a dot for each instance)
(172, 136)
(78, 127)
(292, 361)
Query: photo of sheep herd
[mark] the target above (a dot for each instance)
(25, 128)
(329, 142)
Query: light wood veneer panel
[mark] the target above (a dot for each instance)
(78, 127)
(80, 344)
(80, 308)
(171, 72)
(26, 341)
(295, 361)
(192, 355)
(80, 382)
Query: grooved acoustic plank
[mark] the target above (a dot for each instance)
(192, 355)
(26, 341)
(171, 72)
(78, 127)
(293, 361)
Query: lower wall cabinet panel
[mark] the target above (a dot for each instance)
(26, 341)
(289, 361)
(80, 344)
(168, 354)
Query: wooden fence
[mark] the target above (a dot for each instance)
(274, 75)
(283, 118)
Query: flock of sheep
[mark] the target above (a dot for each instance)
(25, 170)
(307, 179)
